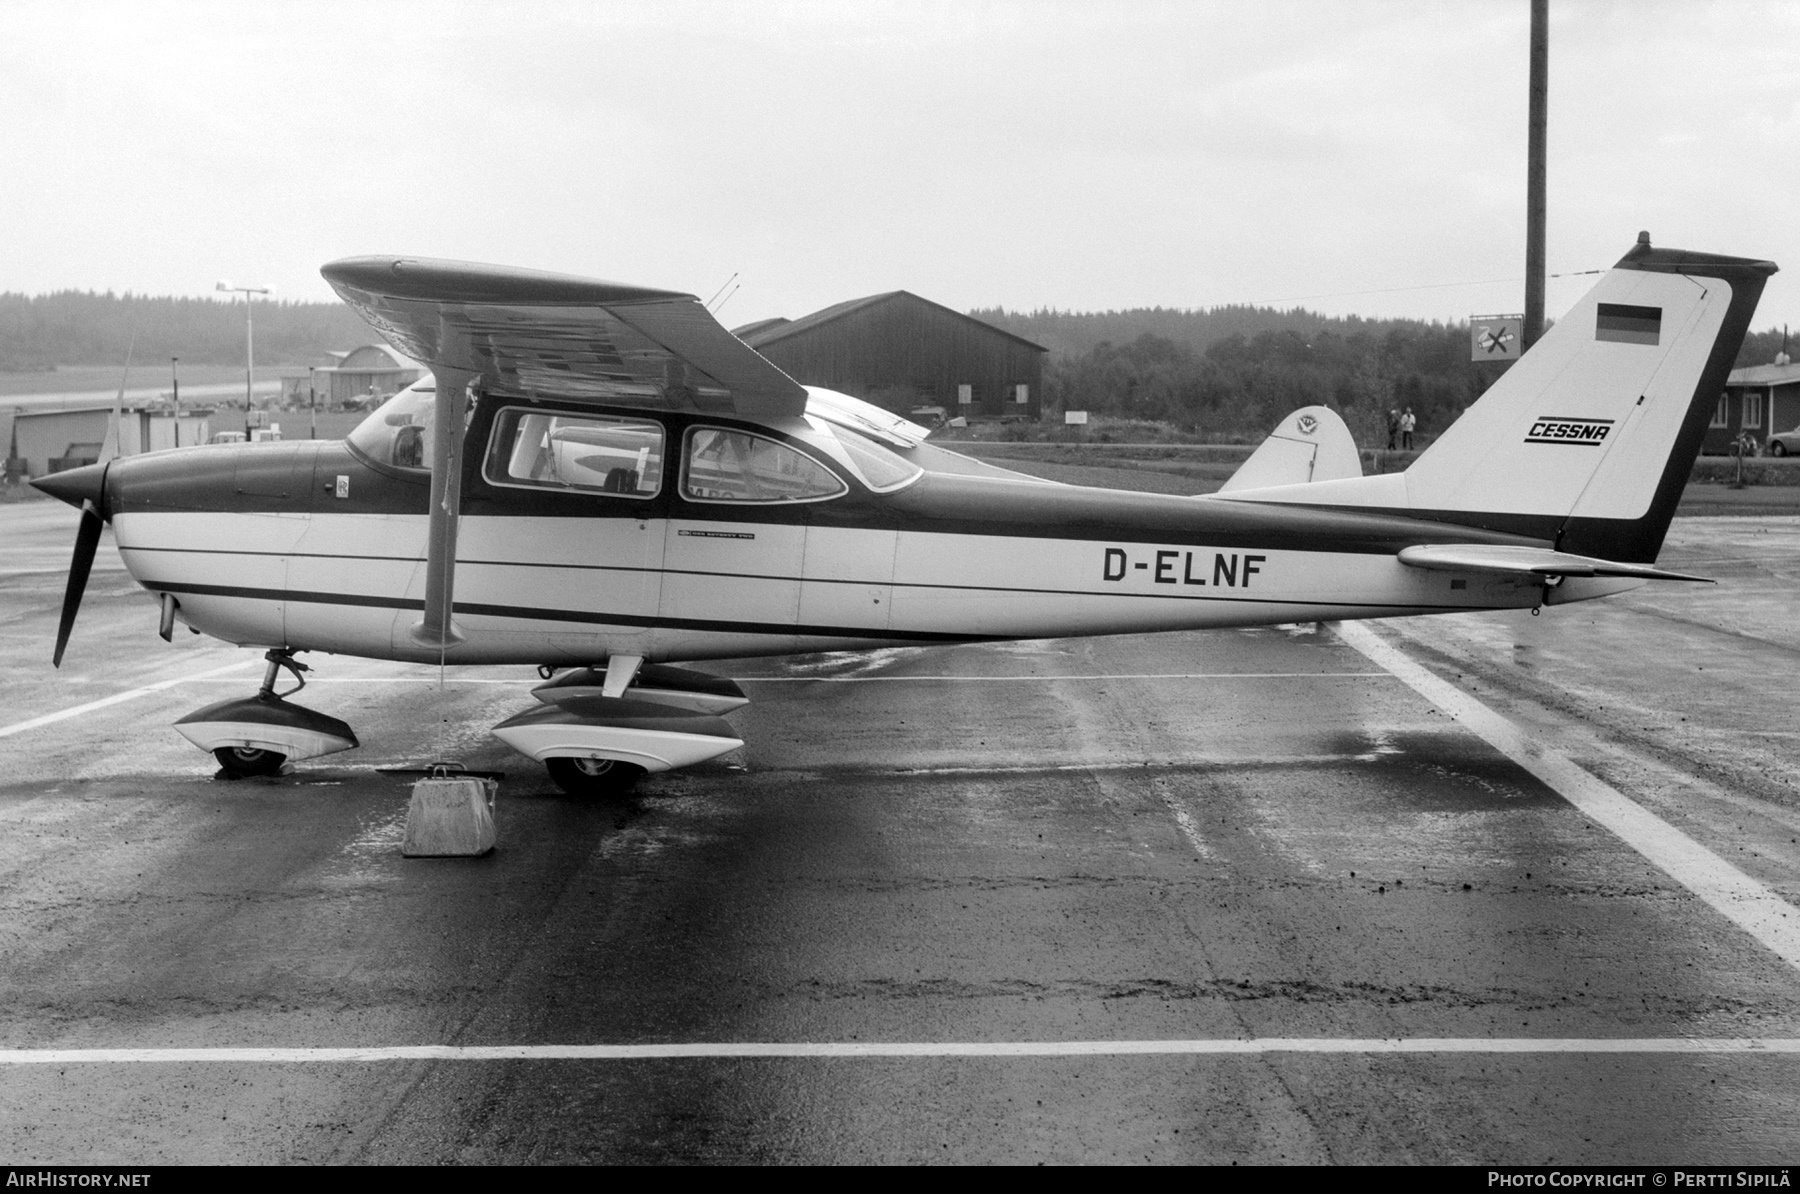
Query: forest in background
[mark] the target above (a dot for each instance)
(1224, 372)
(76, 327)
(1234, 372)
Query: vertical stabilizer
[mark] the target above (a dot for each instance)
(1586, 442)
(1589, 438)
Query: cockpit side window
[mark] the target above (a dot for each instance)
(398, 432)
(587, 453)
(736, 466)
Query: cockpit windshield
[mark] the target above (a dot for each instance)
(398, 432)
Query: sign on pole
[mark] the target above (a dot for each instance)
(1495, 337)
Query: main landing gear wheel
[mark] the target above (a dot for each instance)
(242, 762)
(594, 777)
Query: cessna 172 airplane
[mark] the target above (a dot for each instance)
(600, 480)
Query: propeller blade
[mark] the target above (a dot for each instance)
(87, 540)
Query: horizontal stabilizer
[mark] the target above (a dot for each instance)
(1526, 561)
(1312, 444)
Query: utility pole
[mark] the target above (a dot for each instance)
(175, 397)
(312, 404)
(1534, 174)
(249, 342)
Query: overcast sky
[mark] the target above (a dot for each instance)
(1079, 156)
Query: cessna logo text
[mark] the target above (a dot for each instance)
(1184, 567)
(1552, 430)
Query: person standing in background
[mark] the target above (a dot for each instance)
(1393, 427)
(1407, 423)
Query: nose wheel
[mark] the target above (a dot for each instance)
(594, 777)
(259, 735)
(242, 762)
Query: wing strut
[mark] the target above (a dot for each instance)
(450, 418)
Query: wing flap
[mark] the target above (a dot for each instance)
(1502, 560)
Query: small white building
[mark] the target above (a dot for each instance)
(50, 441)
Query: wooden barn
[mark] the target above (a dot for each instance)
(1758, 399)
(903, 352)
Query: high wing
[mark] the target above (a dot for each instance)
(1525, 562)
(526, 332)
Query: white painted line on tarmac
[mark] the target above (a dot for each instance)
(1062, 679)
(19, 727)
(431, 680)
(56, 570)
(725, 1049)
(1739, 897)
(1189, 828)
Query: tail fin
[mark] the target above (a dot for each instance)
(1586, 442)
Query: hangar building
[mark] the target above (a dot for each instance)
(901, 351)
(371, 370)
(50, 441)
(1759, 399)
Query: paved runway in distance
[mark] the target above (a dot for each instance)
(1252, 836)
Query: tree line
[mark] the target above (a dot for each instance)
(1234, 372)
(77, 327)
(1225, 372)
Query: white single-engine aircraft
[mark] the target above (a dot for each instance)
(602, 481)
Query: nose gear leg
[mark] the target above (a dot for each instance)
(260, 734)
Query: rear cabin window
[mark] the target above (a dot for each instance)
(735, 466)
(590, 454)
(880, 469)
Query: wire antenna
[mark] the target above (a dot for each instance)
(110, 443)
(721, 290)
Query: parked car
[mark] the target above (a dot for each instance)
(1785, 444)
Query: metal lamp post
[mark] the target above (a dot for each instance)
(249, 341)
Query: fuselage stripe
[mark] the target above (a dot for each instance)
(589, 617)
(938, 586)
